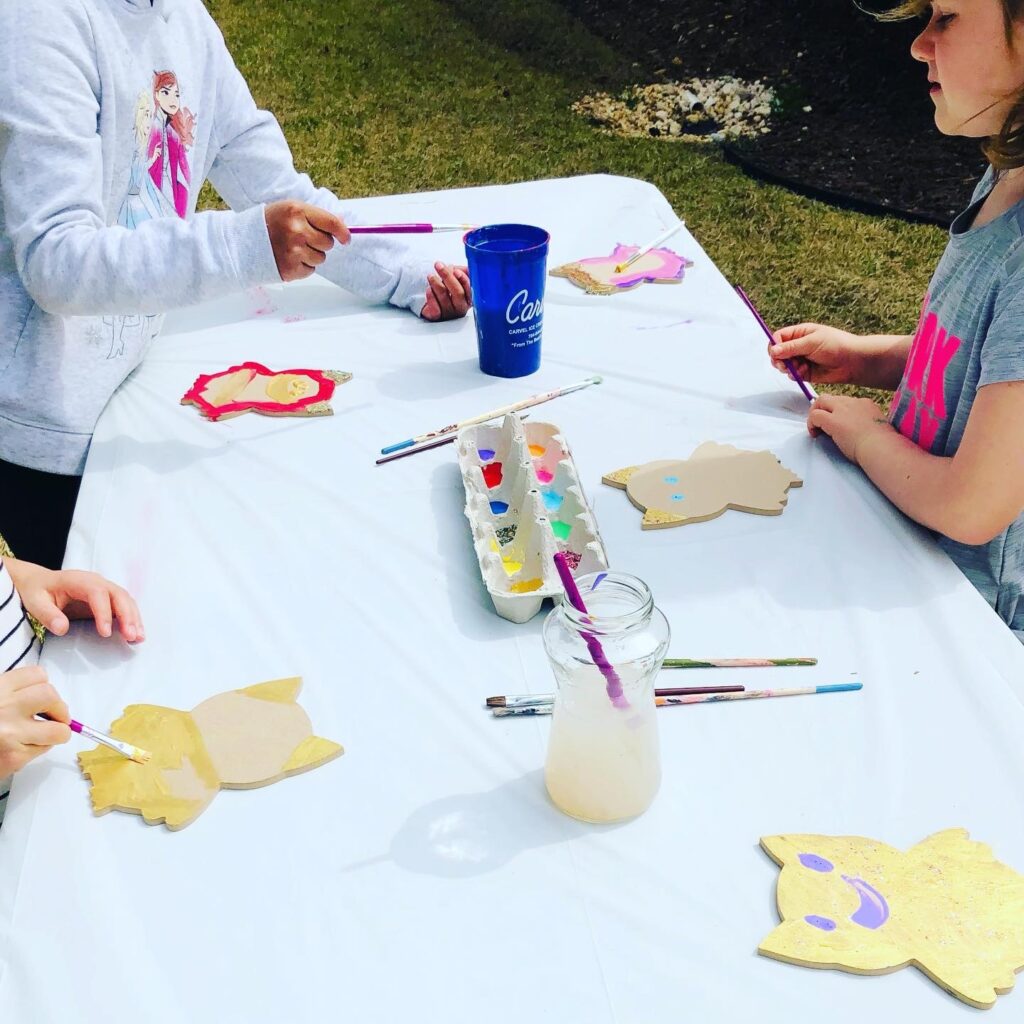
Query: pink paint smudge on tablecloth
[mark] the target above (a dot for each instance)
(262, 303)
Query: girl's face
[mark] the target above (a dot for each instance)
(974, 73)
(169, 99)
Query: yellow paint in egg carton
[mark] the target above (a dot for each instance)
(524, 503)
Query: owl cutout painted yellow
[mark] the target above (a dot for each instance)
(947, 906)
(714, 478)
(236, 740)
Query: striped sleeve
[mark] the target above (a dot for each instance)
(18, 645)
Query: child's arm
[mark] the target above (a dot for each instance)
(253, 164)
(971, 497)
(827, 355)
(52, 185)
(53, 598)
(25, 693)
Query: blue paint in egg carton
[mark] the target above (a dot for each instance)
(524, 503)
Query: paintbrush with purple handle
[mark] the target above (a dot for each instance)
(790, 365)
(572, 592)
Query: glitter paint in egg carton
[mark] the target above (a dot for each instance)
(524, 503)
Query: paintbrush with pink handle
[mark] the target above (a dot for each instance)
(406, 229)
(128, 750)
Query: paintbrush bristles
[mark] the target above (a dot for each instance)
(129, 750)
(645, 249)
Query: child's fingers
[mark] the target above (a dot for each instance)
(45, 734)
(23, 678)
(328, 223)
(462, 273)
(444, 300)
(98, 598)
(793, 331)
(453, 286)
(42, 699)
(40, 603)
(317, 240)
(126, 611)
(819, 421)
(313, 257)
(430, 310)
(792, 349)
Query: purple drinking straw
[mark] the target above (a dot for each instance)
(614, 683)
(808, 394)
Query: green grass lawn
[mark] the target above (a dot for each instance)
(402, 96)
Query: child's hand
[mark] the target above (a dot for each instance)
(821, 355)
(55, 597)
(448, 293)
(25, 693)
(301, 236)
(847, 421)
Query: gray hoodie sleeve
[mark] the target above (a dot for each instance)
(253, 164)
(51, 186)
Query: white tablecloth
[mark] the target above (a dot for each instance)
(424, 875)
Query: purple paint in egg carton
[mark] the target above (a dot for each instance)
(524, 503)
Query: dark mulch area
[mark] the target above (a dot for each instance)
(869, 135)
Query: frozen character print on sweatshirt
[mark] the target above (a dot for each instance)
(171, 136)
(158, 185)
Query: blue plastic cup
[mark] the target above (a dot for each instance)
(507, 271)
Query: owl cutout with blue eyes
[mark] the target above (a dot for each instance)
(714, 478)
(947, 906)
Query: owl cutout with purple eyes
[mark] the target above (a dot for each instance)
(945, 906)
(714, 478)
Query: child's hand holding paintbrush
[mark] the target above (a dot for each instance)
(24, 694)
(827, 355)
(33, 718)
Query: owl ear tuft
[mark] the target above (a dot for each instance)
(338, 376)
(619, 477)
(779, 848)
(654, 518)
(283, 691)
(310, 753)
(779, 944)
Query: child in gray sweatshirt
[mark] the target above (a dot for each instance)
(112, 115)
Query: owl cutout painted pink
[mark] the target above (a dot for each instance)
(597, 274)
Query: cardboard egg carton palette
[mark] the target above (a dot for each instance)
(524, 503)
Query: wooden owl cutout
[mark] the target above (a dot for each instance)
(599, 275)
(251, 387)
(714, 478)
(946, 906)
(241, 739)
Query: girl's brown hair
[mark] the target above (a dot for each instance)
(1005, 149)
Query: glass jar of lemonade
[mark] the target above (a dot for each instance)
(603, 761)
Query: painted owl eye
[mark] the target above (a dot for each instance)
(826, 924)
(815, 863)
(677, 497)
(671, 479)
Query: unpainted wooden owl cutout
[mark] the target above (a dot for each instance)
(714, 478)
